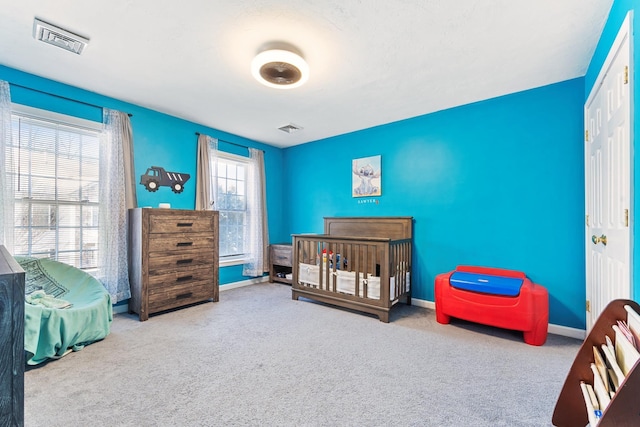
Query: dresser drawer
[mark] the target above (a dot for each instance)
(281, 255)
(179, 259)
(179, 277)
(166, 242)
(168, 222)
(176, 296)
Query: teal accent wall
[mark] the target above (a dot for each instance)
(496, 183)
(617, 14)
(159, 140)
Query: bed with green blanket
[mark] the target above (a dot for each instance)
(65, 309)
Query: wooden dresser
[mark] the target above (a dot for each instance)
(11, 340)
(173, 259)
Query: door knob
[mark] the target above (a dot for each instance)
(602, 239)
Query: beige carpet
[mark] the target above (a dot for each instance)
(258, 358)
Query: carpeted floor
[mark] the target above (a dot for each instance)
(258, 358)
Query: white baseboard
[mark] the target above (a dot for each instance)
(242, 283)
(423, 303)
(122, 308)
(580, 334)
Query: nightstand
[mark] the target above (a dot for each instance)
(281, 261)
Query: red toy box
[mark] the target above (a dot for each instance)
(495, 297)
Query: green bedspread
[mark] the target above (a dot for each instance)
(51, 332)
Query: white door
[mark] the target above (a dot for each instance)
(608, 181)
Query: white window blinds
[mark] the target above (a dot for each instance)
(55, 173)
(232, 204)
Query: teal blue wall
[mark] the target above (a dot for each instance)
(616, 17)
(496, 183)
(159, 140)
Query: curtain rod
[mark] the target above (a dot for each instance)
(229, 142)
(61, 97)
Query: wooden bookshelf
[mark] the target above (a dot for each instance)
(624, 409)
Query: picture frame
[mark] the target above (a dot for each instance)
(366, 176)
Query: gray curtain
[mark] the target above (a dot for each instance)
(117, 195)
(256, 239)
(206, 166)
(130, 194)
(265, 222)
(6, 178)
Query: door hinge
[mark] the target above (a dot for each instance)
(588, 306)
(587, 220)
(586, 135)
(626, 217)
(626, 74)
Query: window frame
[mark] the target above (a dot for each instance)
(239, 259)
(64, 120)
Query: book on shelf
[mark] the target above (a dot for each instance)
(593, 411)
(625, 351)
(615, 373)
(610, 345)
(633, 321)
(624, 328)
(592, 396)
(598, 387)
(601, 366)
(612, 386)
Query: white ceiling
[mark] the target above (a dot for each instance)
(372, 62)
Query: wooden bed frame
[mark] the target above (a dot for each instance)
(360, 263)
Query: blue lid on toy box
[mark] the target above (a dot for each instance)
(487, 284)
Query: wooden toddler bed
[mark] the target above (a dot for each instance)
(360, 263)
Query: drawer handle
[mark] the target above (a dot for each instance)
(184, 243)
(184, 261)
(185, 295)
(183, 278)
(184, 224)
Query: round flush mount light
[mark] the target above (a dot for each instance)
(280, 69)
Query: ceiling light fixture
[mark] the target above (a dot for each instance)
(280, 69)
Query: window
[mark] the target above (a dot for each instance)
(55, 168)
(232, 204)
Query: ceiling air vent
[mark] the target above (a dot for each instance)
(57, 36)
(290, 128)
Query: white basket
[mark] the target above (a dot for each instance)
(392, 289)
(308, 274)
(346, 282)
(373, 287)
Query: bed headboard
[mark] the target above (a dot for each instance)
(392, 227)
